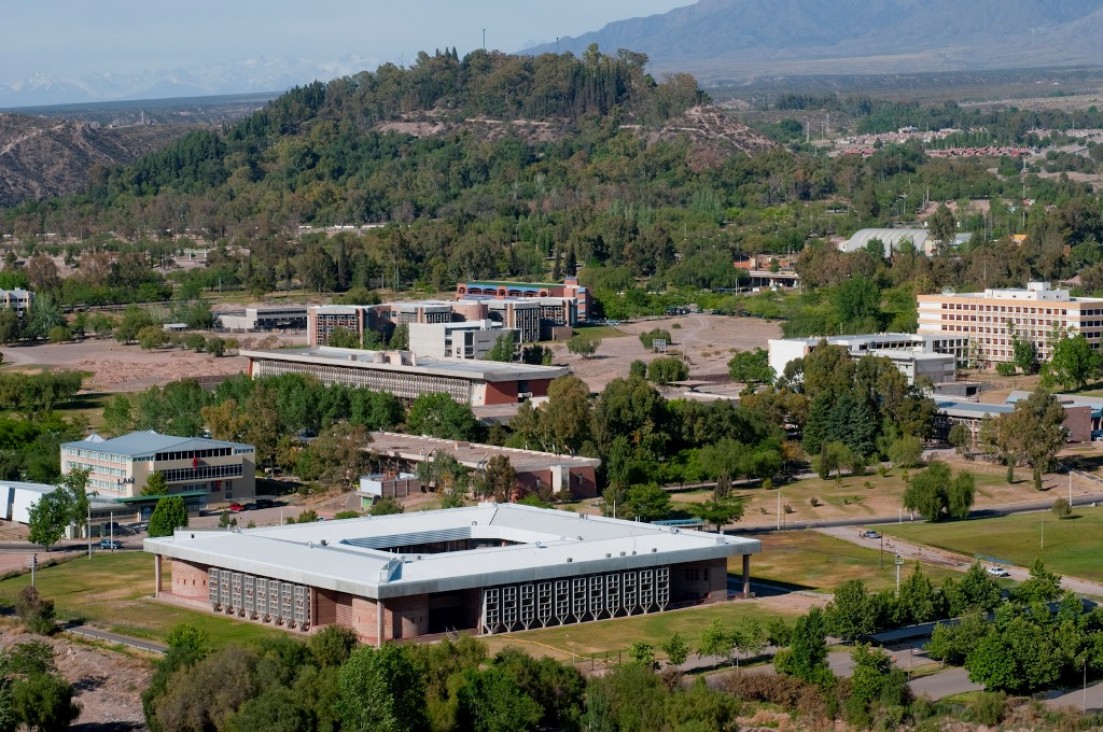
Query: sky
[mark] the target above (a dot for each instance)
(74, 38)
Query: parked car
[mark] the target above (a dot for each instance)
(870, 534)
(265, 503)
(110, 544)
(249, 507)
(235, 507)
(998, 572)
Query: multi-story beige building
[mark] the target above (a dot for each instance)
(200, 469)
(993, 318)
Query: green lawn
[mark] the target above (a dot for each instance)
(114, 591)
(1071, 546)
(814, 561)
(604, 639)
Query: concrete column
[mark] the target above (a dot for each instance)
(157, 575)
(746, 576)
(380, 609)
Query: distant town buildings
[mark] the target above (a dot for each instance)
(991, 320)
(932, 358)
(200, 470)
(408, 376)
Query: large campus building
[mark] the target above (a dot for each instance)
(408, 376)
(534, 318)
(987, 319)
(198, 469)
(581, 301)
(489, 568)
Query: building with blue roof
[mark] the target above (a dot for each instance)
(201, 470)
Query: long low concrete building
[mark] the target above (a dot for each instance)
(408, 376)
(490, 568)
(535, 470)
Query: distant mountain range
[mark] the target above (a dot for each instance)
(265, 74)
(728, 40)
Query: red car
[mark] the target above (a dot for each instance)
(235, 507)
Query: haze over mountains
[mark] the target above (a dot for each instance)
(262, 74)
(722, 40)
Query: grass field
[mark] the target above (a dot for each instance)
(854, 497)
(606, 638)
(115, 592)
(1071, 546)
(813, 561)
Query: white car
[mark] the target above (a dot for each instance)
(998, 572)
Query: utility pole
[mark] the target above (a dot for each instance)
(899, 564)
(484, 40)
(779, 510)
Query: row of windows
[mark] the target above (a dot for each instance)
(205, 471)
(106, 457)
(194, 454)
(97, 469)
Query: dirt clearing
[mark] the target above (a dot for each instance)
(707, 342)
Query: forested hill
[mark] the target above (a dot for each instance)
(489, 150)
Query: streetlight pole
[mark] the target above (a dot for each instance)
(88, 525)
(899, 564)
(779, 510)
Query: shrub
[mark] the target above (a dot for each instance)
(1061, 509)
(1005, 369)
(36, 612)
(346, 515)
(648, 338)
(814, 502)
(987, 709)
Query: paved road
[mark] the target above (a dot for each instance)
(122, 640)
(950, 560)
(1091, 701)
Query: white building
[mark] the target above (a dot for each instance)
(465, 340)
(916, 355)
(894, 239)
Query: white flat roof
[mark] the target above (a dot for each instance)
(469, 369)
(351, 555)
(469, 454)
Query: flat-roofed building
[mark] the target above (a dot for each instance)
(200, 469)
(19, 300)
(916, 355)
(466, 340)
(971, 415)
(489, 568)
(408, 376)
(264, 318)
(322, 320)
(570, 288)
(577, 475)
(993, 319)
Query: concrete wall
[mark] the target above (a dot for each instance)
(188, 580)
(704, 581)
